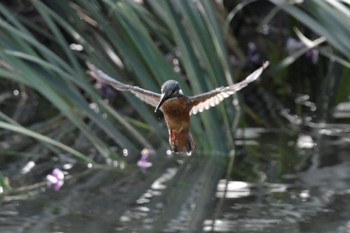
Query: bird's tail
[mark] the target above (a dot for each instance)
(190, 144)
(181, 142)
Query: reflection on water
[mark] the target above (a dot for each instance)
(147, 207)
(250, 225)
(278, 183)
(267, 207)
(237, 189)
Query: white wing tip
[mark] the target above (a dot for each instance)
(256, 74)
(265, 64)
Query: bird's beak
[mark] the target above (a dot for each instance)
(163, 98)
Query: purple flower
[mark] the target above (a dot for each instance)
(253, 55)
(293, 45)
(143, 163)
(55, 179)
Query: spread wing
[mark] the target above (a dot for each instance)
(212, 98)
(148, 97)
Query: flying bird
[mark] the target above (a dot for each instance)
(176, 107)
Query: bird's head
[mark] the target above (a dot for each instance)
(170, 89)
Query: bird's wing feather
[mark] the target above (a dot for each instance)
(212, 98)
(148, 97)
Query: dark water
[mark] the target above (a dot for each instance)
(298, 184)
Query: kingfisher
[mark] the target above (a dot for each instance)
(177, 107)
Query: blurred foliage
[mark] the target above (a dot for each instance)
(45, 44)
(46, 95)
(4, 186)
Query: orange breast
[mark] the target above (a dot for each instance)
(176, 114)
